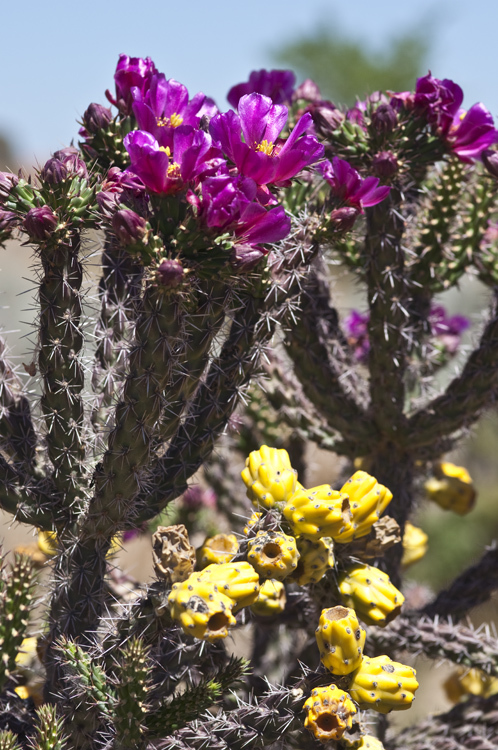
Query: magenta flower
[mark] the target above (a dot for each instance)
(278, 85)
(262, 155)
(165, 106)
(448, 330)
(165, 170)
(472, 133)
(224, 198)
(356, 326)
(131, 72)
(258, 226)
(349, 187)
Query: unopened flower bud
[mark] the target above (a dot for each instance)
(129, 227)
(8, 221)
(170, 272)
(490, 160)
(384, 119)
(71, 159)
(53, 172)
(97, 117)
(40, 223)
(308, 90)
(343, 219)
(385, 164)
(326, 117)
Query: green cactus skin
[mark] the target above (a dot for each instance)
(130, 709)
(49, 730)
(8, 741)
(15, 606)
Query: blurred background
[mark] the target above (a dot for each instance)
(57, 57)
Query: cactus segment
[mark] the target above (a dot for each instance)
(330, 712)
(367, 501)
(340, 640)
(383, 684)
(269, 477)
(201, 609)
(318, 512)
(271, 599)
(273, 554)
(370, 593)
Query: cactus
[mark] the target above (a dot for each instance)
(215, 341)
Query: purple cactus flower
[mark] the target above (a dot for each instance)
(278, 85)
(224, 198)
(448, 330)
(262, 155)
(308, 90)
(165, 170)
(472, 133)
(259, 226)
(349, 187)
(197, 497)
(356, 326)
(131, 73)
(165, 106)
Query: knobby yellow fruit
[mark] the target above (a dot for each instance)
(383, 684)
(451, 488)
(414, 545)
(273, 554)
(318, 512)
(269, 476)
(218, 549)
(201, 609)
(239, 581)
(367, 500)
(271, 599)
(316, 556)
(370, 593)
(340, 640)
(330, 712)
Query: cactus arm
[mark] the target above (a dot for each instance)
(437, 639)
(130, 709)
(465, 397)
(15, 605)
(472, 724)
(49, 730)
(60, 344)
(387, 328)
(16, 426)
(307, 343)
(27, 500)
(471, 588)
(118, 289)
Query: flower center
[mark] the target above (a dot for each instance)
(170, 122)
(266, 147)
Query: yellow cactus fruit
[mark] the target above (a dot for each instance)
(271, 599)
(369, 742)
(273, 554)
(201, 609)
(218, 549)
(340, 640)
(370, 593)
(330, 712)
(464, 682)
(269, 476)
(383, 685)
(451, 488)
(367, 501)
(414, 545)
(252, 521)
(239, 581)
(318, 512)
(316, 557)
(47, 543)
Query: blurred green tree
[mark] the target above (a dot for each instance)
(345, 67)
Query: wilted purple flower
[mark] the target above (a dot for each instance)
(356, 326)
(326, 116)
(40, 223)
(165, 106)
(262, 155)
(196, 497)
(490, 160)
(448, 330)
(7, 182)
(278, 85)
(73, 162)
(116, 187)
(343, 219)
(165, 170)
(348, 186)
(131, 72)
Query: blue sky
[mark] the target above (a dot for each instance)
(57, 57)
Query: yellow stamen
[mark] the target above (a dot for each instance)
(174, 170)
(171, 122)
(166, 150)
(266, 147)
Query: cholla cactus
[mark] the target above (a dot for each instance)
(213, 230)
